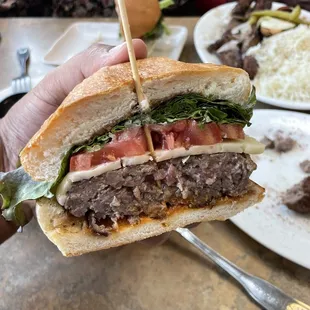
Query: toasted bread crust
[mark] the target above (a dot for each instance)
(113, 78)
(73, 237)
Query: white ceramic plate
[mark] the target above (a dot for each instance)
(210, 28)
(270, 222)
(80, 36)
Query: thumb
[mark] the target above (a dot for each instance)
(100, 55)
(66, 77)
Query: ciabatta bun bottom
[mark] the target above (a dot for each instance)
(72, 236)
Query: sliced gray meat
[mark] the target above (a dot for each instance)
(262, 5)
(281, 142)
(226, 37)
(252, 39)
(242, 7)
(250, 65)
(285, 9)
(305, 166)
(298, 197)
(232, 58)
(269, 144)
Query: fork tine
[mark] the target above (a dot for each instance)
(12, 86)
(15, 86)
(28, 84)
(24, 85)
(21, 85)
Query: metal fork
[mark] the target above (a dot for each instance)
(264, 293)
(22, 84)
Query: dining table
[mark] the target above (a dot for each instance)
(172, 275)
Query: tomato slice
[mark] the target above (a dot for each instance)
(81, 161)
(168, 136)
(168, 142)
(185, 133)
(197, 134)
(232, 131)
(130, 142)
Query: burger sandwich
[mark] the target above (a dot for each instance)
(146, 20)
(106, 174)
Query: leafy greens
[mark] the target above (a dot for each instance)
(17, 186)
(159, 29)
(164, 4)
(189, 106)
(203, 110)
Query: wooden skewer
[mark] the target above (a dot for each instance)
(143, 102)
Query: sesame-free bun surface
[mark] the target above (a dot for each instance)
(73, 237)
(143, 16)
(109, 96)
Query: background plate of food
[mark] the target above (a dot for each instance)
(80, 36)
(281, 222)
(272, 45)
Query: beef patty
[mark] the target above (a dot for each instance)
(150, 189)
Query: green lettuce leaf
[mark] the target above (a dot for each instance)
(160, 27)
(202, 109)
(164, 4)
(15, 214)
(17, 186)
(64, 169)
(156, 32)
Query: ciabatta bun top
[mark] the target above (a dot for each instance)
(108, 97)
(143, 16)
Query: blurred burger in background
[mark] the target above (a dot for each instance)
(146, 19)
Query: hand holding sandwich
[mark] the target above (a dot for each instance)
(103, 174)
(27, 115)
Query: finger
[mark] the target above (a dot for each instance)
(83, 65)
(116, 55)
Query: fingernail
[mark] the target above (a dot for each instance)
(117, 48)
(106, 47)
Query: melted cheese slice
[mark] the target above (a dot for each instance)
(248, 146)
